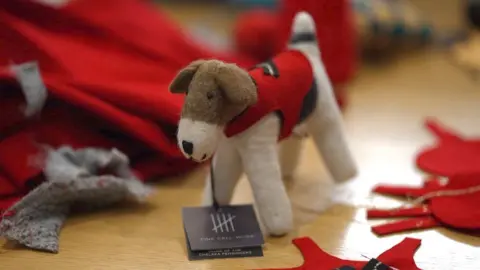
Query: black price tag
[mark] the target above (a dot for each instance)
(224, 232)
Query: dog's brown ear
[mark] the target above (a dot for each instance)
(181, 82)
(237, 85)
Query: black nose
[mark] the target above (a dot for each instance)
(187, 147)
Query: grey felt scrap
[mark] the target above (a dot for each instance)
(30, 80)
(72, 180)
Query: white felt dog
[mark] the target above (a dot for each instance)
(239, 116)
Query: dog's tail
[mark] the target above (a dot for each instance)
(304, 35)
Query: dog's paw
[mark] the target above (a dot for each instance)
(207, 199)
(280, 231)
(278, 225)
(279, 235)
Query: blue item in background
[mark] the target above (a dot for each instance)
(255, 3)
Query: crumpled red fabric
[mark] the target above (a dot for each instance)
(107, 66)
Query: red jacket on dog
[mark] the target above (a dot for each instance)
(282, 84)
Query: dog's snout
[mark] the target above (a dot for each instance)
(187, 147)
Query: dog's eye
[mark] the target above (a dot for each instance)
(210, 95)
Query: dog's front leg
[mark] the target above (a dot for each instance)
(290, 153)
(258, 150)
(227, 169)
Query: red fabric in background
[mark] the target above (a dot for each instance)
(336, 35)
(262, 33)
(256, 32)
(335, 30)
(107, 65)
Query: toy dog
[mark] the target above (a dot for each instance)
(239, 116)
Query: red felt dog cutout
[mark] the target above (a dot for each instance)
(451, 155)
(454, 205)
(399, 256)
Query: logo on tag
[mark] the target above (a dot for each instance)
(222, 222)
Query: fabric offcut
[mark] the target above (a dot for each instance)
(90, 178)
(453, 204)
(400, 256)
(449, 198)
(452, 153)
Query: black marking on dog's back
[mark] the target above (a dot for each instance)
(269, 68)
(309, 103)
(303, 37)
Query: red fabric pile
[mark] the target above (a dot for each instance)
(107, 66)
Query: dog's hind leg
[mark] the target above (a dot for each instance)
(331, 142)
(325, 124)
(227, 169)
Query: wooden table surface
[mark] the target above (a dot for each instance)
(466, 54)
(385, 127)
